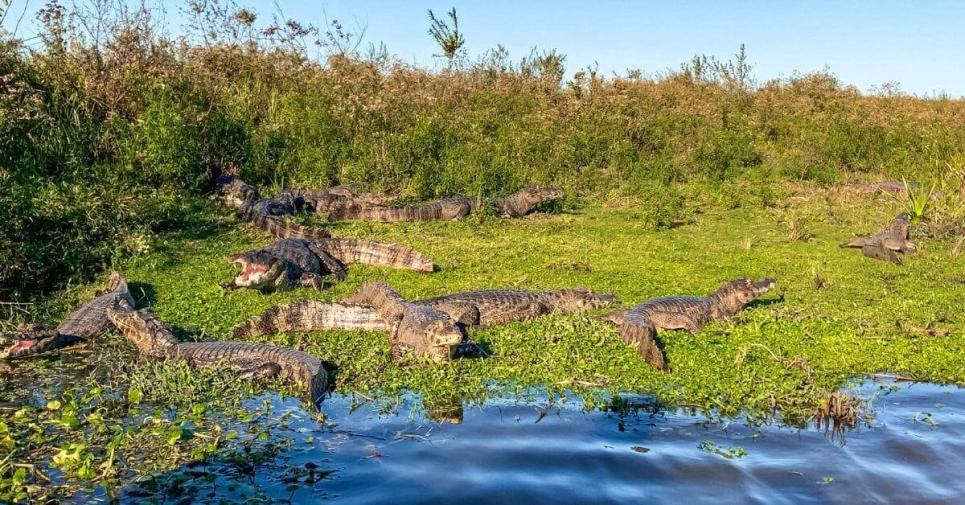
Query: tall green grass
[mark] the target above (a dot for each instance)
(103, 141)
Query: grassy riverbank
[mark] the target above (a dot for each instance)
(853, 320)
(835, 315)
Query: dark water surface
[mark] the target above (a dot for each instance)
(509, 452)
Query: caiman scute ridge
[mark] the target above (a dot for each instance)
(436, 327)
(447, 209)
(86, 322)
(312, 315)
(640, 324)
(265, 213)
(324, 201)
(255, 360)
(298, 262)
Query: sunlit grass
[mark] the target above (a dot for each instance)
(784, 354)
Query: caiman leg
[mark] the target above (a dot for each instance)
(637, 330)
(335, 267)
(312, 280)
(674, 321)
(465, 314)
(251, 369)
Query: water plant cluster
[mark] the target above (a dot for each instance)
(678, 182)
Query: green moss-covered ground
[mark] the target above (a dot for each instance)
(856, 323)
(835, 314)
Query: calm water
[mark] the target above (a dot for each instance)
(507, 452)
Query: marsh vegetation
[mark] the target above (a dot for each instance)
(676, 182)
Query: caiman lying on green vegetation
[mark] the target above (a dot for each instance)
(265, 213)
(290, 262)
(639, 325)
(516, 205)
(434, 327)
(254, 360)
(88, 321)
(423, 329)
(312, 315)
(887, 244)
(322, 202)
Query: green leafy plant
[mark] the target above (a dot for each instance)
(729, 453)
(918, 201)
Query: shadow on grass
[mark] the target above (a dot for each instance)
(144, 294)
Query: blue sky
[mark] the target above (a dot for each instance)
(920, 45)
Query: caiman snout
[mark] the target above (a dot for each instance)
(763, 286)
(19, 347)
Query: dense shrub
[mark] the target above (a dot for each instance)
(103, 141)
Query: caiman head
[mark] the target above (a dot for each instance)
(234, 192)
(25, 341)
(733, 296)
(442, 338)
(575, 300)
(260, 270)
(540, 194)
(437, 339)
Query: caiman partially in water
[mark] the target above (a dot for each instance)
(254, 360)
(639, 325)
(516, 205)
(86, 322)
(436, 327)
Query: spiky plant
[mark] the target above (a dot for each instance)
(448, 37)
(918, 201)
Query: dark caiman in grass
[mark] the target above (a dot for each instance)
(86, 322)
(886, 244)
(297, 262)
(447, 209)
(639, 325)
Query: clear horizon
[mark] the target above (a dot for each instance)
(865, 44)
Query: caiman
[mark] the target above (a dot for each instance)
(422, 329)
(88, 321)
(322, 202)
(447, 209)
(265, 213)
(436, 327)
(312, 315)
(639, 325)
(254, 360)
(291, 262)
(887, 244)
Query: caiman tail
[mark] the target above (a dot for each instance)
(154, 339)
(386, 301)
(637, 329)
(311, 315)
(445, 209)
(283, 228)
(376, 253)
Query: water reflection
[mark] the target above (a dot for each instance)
(553, 451)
